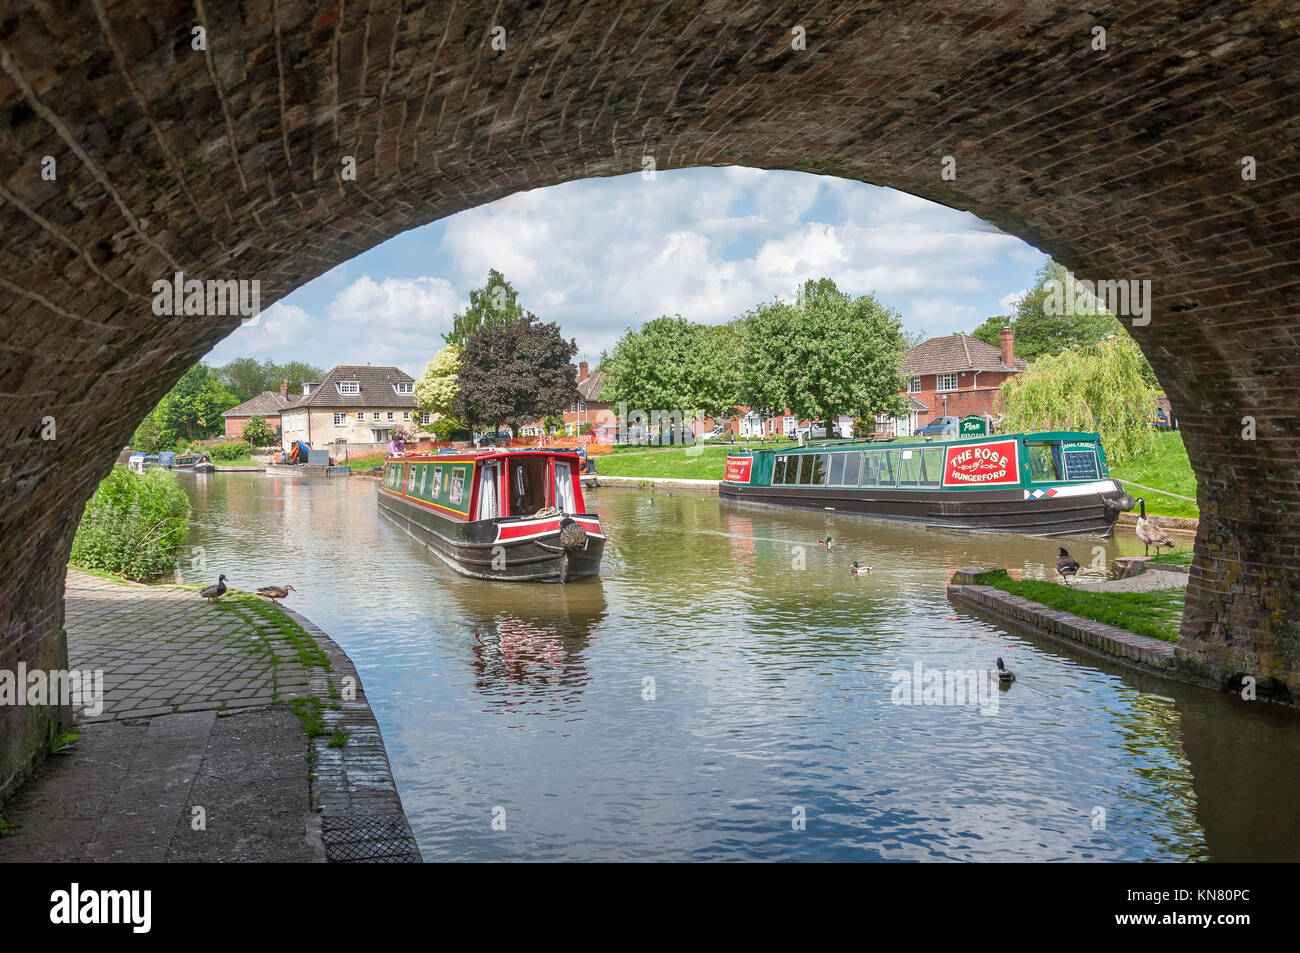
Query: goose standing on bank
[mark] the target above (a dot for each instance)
(214, 592)
(1066, 565)
(1149, 532)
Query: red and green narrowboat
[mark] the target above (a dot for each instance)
(1042, 484)
(505, 514)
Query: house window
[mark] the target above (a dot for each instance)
(390, 415)
(945, 382)
(404, 387)
(340, 420)
(914, 385)
(406, 415)
(424, 418)
(582, 406)
(349, 387)
(376, 415)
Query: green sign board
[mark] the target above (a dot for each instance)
(973, 426)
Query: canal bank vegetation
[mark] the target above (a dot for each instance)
(1164, 466)
(1158, 613)
(133, 526)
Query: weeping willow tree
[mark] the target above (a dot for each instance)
(1100, 388)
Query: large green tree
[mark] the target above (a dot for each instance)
(1039, 332)
(192, 409)
(825, 355)
(671, 365)
(514, 373)
(438, 386)
(246, 378)
(1100, 387)
(496, 304)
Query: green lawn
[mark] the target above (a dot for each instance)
(1178, 557)
(682, 463)
(1157, 614)
(244, 461)
(366, 462)
(1167, 468)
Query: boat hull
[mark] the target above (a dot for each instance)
(513, 549)
(1077, 511)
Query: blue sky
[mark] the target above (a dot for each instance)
(601, 255)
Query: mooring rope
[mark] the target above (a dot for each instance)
(1152, 489)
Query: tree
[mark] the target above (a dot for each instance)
(496, 304)
(1098, 388)
(1039, 332)
(438, 386)
(148, 436)
(246, 378)
(514, 373)
(827, 355)
(257, 432)
(192, 409)
(671, 365)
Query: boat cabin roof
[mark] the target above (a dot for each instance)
(487, 453)
(828, 446)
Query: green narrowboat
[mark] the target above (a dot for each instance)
(1041, 484)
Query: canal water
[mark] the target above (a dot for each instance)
(727, 690)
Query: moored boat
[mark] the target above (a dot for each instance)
(1043, 484)
(505, 514)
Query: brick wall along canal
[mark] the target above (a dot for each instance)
(773, 691)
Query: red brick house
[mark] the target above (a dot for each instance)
(267, 404)
(955, 375)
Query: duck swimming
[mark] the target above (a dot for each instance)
(857, 570)
(214, 592)
(825, 542)
(1005, 674)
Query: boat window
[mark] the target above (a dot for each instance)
(424, 480)
(1043, 457)
(564, 488)
(487, 492)
(933, 467)
(888, 474)
(410, 482)
(836, 476)
(791, 471)
(909, 468)
(870, 465)
(819, 469)
(778, 471)
(436, 487)
(1080, 463)
(805, 469)
(852, 464)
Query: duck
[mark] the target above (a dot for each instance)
(1066, 565)
(857, 570)
(274, 593)
(1005, 674)
(825, 542)
(1149, 532)
(214, 592)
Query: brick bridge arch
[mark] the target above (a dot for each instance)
(226, 162)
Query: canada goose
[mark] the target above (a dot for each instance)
(1149, 532)
(214, 592)
(1067, 565)
(825, 542)
(1005, 674)
(274, 592)
(859, 570)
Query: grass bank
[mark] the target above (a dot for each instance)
(366, 462)
(677, 463)
(1165, 468)
(1157, 614)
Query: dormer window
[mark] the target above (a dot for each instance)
(349, 387)
(404, 387)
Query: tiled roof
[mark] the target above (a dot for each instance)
(376, 389)
(955, 352)
(589, 390)
(268, 403)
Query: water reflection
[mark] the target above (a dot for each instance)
(771, 671)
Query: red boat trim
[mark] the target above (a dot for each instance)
(548, 526)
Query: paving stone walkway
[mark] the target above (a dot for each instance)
(190, 725)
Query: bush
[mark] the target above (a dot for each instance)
(257, 432)
(134, 525)
(230, 450)
(449, 429)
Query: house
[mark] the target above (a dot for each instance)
(266, 405)
(954, 376)
(587, 409)
(352, 405)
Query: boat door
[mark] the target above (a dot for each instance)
(489, 483)
(562, 476)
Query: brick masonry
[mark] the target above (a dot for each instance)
(227, 164)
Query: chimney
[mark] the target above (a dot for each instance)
(582, 370)
(1008, 347)
(284, 390)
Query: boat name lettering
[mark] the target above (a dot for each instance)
(986, 463)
